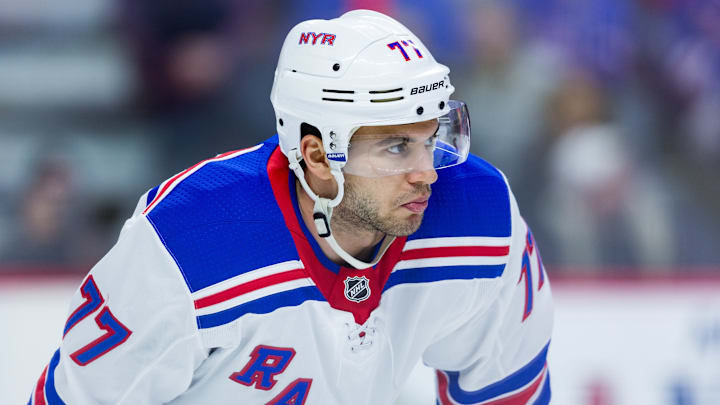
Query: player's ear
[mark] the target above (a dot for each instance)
(313, 154)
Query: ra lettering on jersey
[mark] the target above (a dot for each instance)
(265, 363)
(311, 38)
(294, 394)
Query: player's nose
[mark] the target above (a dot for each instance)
(427, 176)
(425, 172)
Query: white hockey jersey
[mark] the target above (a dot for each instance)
(217, 293)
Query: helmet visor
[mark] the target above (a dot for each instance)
(399, 149)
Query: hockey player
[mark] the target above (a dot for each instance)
(320, 266)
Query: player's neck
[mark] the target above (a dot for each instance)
(359, 243)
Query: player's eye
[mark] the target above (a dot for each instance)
(399, 148)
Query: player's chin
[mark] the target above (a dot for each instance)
(407, 225)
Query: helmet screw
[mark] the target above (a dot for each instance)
(333, 135)
(441, 105)
(420, 110)
(280, 121)
(336, 67)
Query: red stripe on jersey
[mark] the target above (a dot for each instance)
(167, 185)
(455, 251)
(253, 285)
(443, 388)
(522, 397)
(40, 388)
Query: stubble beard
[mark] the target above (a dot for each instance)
(359, 211)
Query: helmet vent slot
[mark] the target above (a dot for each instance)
(385, 91)
(339, 91)
(347, 100)
(386, 100)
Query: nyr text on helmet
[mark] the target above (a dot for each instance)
(306, 37)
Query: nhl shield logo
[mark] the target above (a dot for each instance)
(357, 289)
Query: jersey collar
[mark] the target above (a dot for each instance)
(328, 276)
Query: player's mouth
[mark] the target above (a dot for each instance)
(417, 205)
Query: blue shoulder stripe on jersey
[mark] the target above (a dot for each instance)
(151, 195)
(223, 220)
(263, 305)
(50, 393)
(544, 398)
(512, 382)
(430, 274)
(470, 199)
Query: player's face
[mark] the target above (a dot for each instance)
(392, 204)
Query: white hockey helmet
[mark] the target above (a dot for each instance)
(361, 69)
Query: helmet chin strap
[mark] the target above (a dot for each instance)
(323, 209)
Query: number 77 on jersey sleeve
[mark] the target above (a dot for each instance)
(115, 332)
(526, 273)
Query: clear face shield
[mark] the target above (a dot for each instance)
(399, 149)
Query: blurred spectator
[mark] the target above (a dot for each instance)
(44, 233)
(600, 207)
(693, 68)
(506, 88)
(203, 73)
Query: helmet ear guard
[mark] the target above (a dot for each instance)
(361, 69)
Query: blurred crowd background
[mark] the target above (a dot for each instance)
(604, 115)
